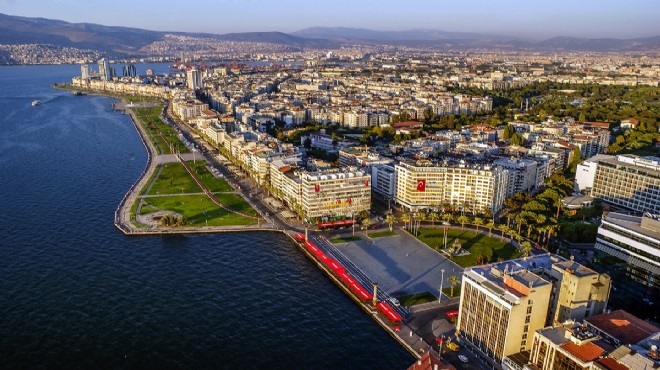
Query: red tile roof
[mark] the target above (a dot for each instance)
(611, 364)
(586, 352)
(407, 124)
(427, 361)
(625, 327)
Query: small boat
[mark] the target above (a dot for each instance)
(35, 103)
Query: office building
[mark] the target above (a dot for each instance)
(194, 79)
(327, 194)
(129, 70)
(474, 188)
(628, 181)
(104, 70)
(84, 71)
(636, 241)
(503, 304)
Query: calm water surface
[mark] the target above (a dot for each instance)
(76, 293)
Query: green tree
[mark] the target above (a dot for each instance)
(478, 221)
(517, 139)
(390, 219)
(509, 130)
(405, 218)
(526, 248)
(463, 220)
(490, 225)
(366, 223)
(453, 281)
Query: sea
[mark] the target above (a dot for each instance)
(75, 293)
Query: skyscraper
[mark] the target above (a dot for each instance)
(129, 70)
(194, 78)
(104, 70)
(84, 71)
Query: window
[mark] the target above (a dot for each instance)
(529, 310)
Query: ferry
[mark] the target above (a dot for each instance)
(35, 103)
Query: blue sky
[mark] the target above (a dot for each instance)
(532, 19)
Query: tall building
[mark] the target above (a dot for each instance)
(104, 70)
(423, 185)
(129, 70)
(627, 181)
(636, 241)
(502, 304)
(84, 71)
(522, 174)
(194, 79)
(335, 194)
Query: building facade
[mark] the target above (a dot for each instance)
(424, 185)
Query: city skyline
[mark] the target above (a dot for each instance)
(533, 21)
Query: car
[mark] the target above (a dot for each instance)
(463, 359)
(446, 223)
(395, 302)
(453, 346)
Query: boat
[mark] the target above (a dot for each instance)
(35, 103)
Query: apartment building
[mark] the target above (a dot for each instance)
(335, 193)
(423, 184)
(503, 304)
(636, 241)
(523, 176)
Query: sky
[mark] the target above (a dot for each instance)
(531, 19)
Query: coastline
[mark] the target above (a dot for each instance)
(123, 223)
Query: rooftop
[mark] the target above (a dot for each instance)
(623, 326)
(633, 223)
(585, 352)
(427, 362)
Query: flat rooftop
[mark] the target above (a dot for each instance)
(623, 326)
(633, 223)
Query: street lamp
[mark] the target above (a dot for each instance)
(442, 279)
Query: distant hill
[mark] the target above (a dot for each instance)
(134, 41)
(576, 44)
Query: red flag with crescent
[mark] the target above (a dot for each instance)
(421, 184)
(366, 182)
(317, 188)
(349, 201)
(338, 201)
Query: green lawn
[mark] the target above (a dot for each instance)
(344, 239)
(381, 234)
(477, 244)
(146, 209)
(150, 120)
(196, 209)
(417, 298)
(174, 179)
(236, 203)
(211, 182)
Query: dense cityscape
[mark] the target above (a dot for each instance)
(487, 201)
(478, 139)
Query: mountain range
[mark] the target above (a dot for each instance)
(131, 41)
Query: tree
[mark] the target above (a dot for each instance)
(502, 228)
(509, 130)
(446, 217)
(453, 280)
(307, 143)
(477, 222)
(366, 223)
(433, 216)
(517, 139)
(405, 218)
(390, 219)
(526, 248)
(463, 220)
(490, 225)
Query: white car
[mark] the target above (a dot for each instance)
(446, 223)
(463, 359)
(395, 302)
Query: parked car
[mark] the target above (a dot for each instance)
(446, 223)
(395, 302)
(453, 346)
(463, 359)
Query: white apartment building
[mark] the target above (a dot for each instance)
(424, 185)
(523, 174)
(628, 181)
(383, 181)
(334, 193)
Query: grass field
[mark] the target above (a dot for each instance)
(211, 182)
(382, 234)
(197, 209)
(477, 244)
(417, 298)
(174, 179)
(345, 239)
(457, 291)
(150, 120)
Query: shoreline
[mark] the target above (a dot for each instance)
(123, 216)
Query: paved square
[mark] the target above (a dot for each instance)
(400, 264)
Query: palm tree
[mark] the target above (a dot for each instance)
(433, 216)
(420, 217)
(390, 219)
(405, 218)
(453, 280)
(477, 222)
(462, 220)
(366, 223)
(503, 228)
(446, 217)
(526, 248)
(490, 225)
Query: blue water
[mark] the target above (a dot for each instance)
(76, 293)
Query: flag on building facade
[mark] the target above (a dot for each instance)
(421, 184)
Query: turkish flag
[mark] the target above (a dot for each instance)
(317, 188)
(338, 201)
(421, 184)
(439, 340)
(366, 182)
(364, 163)
(349, 201)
